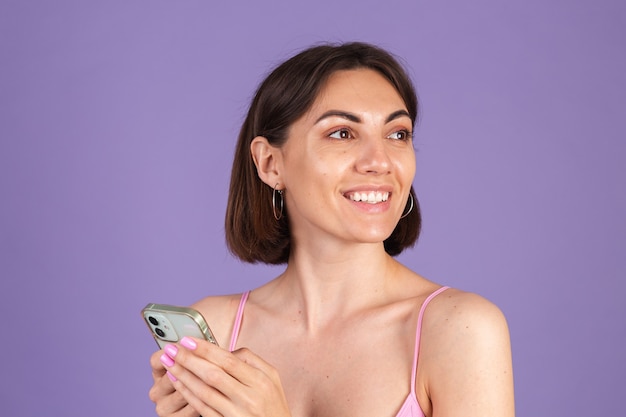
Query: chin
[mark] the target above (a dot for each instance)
(375, 236)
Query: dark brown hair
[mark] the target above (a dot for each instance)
(252, 232)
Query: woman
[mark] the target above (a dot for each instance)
(322, 181)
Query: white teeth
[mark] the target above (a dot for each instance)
(371, 197)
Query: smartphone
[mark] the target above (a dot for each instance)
(169, 324)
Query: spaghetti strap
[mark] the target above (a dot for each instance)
(418, 333)
(235, 335)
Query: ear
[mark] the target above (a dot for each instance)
(267, 159)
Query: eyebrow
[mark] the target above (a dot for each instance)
(356, 119)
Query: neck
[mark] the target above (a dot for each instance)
(327, 285)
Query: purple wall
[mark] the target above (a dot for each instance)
(117, 126)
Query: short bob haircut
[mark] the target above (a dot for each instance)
(252, 232)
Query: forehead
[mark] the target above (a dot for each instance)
(362, 92)
(358, 84)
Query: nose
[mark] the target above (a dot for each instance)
(373, 157)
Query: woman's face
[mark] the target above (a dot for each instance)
(348, 163)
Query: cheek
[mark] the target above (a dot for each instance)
(321, 165)
(405, 164)
(306, 172)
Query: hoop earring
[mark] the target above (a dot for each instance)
(410, 208)
(281, 204)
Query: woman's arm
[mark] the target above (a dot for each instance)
(467, 359)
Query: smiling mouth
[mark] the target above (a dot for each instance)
(371, 197)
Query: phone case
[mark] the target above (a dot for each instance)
(169, 324)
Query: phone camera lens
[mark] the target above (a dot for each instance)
(153, 321)
(159, 332)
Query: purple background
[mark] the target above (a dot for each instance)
(117, 127)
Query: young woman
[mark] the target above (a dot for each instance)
(322, 182)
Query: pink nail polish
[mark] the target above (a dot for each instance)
(171, 377)
(166, 360)
(171, 350)
(188, 342)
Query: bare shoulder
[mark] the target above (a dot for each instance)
(465, 356)
(455, 311)
(460, 324)
(220, 313)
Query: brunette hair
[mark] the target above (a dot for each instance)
(252, 232)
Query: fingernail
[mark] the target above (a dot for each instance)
(171, 350)
(166, 360)
(171, 377)
(188, 342)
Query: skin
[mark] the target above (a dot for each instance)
(334, 334)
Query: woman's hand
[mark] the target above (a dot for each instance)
(215, 382)
(169, 402)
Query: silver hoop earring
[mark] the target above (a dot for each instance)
(281, 204)
(410, 208)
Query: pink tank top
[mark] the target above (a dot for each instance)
(410, 407)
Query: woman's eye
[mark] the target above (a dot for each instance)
(341, 134)
(400, 135)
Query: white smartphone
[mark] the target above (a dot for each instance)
(169, 324)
